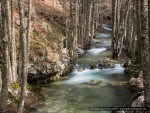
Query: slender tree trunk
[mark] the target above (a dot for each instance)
(145, 53)
(5, 56)
(82, 22)
(29, 30)
(149, 23)
(114, 21)
(73, 27)
(23, 51)
(13, 45)
(0, 81)
(0, 48)
(9, 28)
(138, 31)
(94, 15)
(88, 22)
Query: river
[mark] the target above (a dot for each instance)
(75, 96)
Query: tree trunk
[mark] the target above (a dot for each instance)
(23, 51)
(5, 56)
(114, 21)
(0, 81)
(1, 48)
(94, 15)
(138, 31)
(88, 22)
(13, 45)
(145, 53)
(29, 31)
(149, 23)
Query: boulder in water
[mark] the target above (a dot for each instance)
(95, 82)
(92, 82)
(92, 66)
(105, 63)
(105, 60)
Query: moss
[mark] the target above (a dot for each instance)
(15, 86)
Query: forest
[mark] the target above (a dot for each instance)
(74, 56)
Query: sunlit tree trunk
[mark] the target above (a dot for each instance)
(13, 45)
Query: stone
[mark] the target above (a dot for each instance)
(79, 52)
(95, 82)
(128, 63)
(105, 63)
(55, 78)
(139, 102)
(136, 84)
(92, 66)
(32, 71)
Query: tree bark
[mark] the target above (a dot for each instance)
(5, 56)
(23, 51)
(138, 31)
(13, 45)
(88, 22)
(29, 30)
(93, 21)
(145, 52)
(0, 81)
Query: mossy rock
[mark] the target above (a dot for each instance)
(92, 67)
(95, 82)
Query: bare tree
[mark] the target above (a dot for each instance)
(88, 13)
(145, 51)
(23, 51)
(13, 45)
(29, 27)
(5, 55)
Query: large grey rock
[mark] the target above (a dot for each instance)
(136, 84)
(139, 102)
(105, 63)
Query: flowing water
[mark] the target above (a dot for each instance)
(75, 95)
